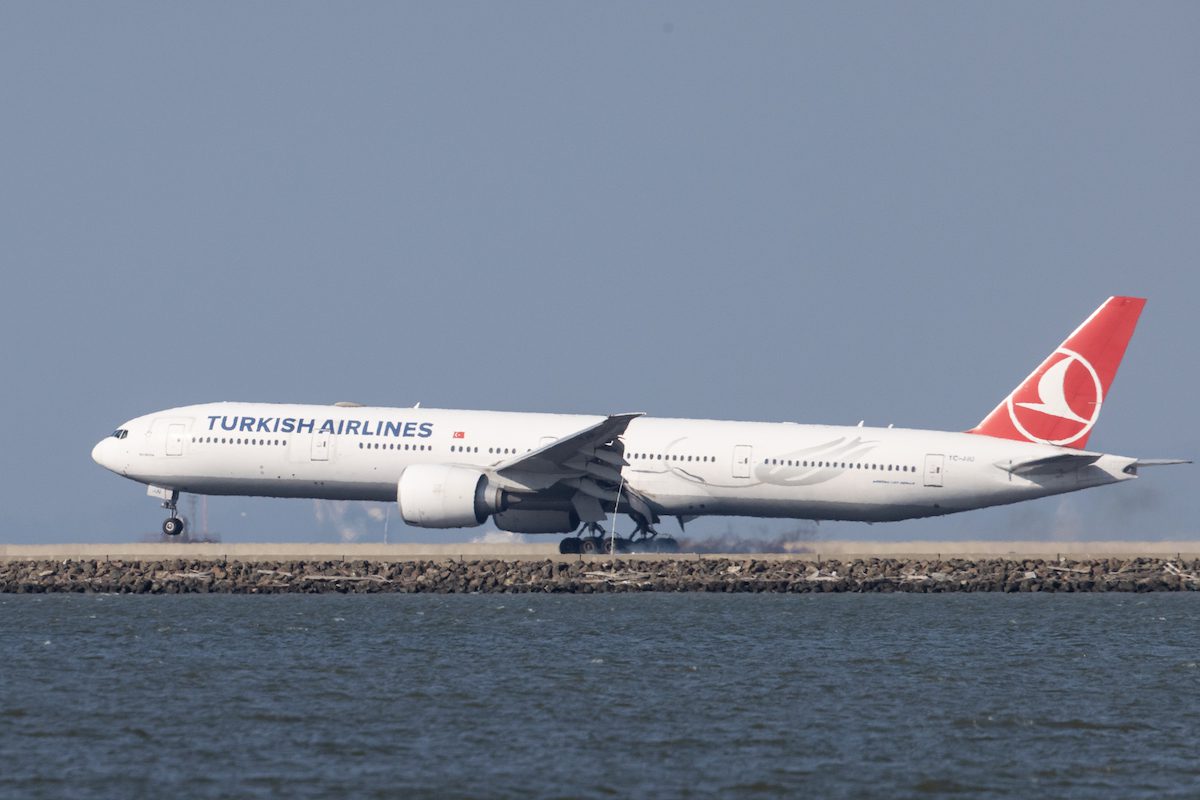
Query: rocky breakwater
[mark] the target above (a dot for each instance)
(593, 575)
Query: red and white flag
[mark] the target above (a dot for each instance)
(460, 434)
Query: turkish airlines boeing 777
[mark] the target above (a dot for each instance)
(558, 473)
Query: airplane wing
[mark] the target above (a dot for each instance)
(588, 461)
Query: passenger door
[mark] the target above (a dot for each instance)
(320, 447)
(742, 454)
(175, 439)
(933, 469)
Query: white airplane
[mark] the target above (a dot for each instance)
(559, 473)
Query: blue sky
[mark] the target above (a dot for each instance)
(768, 211)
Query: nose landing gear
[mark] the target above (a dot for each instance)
(172, 525)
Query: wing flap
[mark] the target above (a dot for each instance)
(588, 461)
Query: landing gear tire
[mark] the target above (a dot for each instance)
(589, 545)
(611, 545)
(172, 526)
(569, 545)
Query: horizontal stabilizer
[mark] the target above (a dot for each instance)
(1067, 462)
(1160, 462)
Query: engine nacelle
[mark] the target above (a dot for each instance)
(440, 496)
(525, 521)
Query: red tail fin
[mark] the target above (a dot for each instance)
(1060, 402)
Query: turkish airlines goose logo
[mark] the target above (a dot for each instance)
(1063, 405)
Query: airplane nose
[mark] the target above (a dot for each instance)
(100, 453)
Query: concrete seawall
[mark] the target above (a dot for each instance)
(599, 574)
(808, 551)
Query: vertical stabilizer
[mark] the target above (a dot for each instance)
(1059, 403)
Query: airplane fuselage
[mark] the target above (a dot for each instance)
(682, 467)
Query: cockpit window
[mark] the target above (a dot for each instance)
(120, 433)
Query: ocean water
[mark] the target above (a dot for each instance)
(600, 696)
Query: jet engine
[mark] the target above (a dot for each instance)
(441, 496)
(536, 521)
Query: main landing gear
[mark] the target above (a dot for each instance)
(596, 542)
(172, 525)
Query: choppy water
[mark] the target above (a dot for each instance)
(600, 696)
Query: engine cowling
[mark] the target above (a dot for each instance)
(525, 521)
(441, 496)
